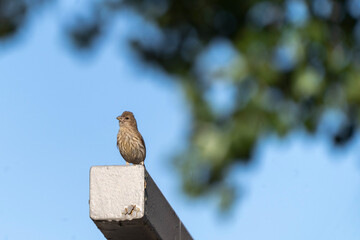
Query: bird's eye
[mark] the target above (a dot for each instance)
(127, 118)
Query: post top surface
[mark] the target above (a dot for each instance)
(117, 192)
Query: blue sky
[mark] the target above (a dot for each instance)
(58, 119)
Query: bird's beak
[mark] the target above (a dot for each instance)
(119, 118)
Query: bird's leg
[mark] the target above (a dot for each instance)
(142, 163)
(127, 163)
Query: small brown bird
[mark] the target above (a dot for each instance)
(129, 140)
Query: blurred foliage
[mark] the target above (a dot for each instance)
(14, 14)
(248, 69)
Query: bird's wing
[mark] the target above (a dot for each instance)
(142, 141)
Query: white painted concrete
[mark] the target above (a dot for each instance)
(117, 192)
(125, 203)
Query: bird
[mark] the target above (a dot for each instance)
(129, 140)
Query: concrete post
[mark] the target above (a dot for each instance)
(125, 203)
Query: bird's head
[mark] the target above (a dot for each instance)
(127, 119)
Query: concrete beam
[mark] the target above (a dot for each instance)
(125, 203)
